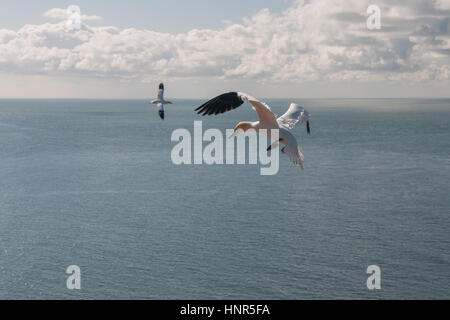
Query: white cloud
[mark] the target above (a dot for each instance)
(63, 14)
(321, 40)
(443, 4)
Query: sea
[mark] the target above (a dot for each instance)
(91, 183)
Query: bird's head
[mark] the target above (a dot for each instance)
(244, 126)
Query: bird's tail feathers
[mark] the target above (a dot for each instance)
(296, 155)
(301, 156)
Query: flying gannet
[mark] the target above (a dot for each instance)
(267, 120)
(160, 102)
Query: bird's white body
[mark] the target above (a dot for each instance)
(160, 99)
(267, 121)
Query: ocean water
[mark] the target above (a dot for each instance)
(91, 183)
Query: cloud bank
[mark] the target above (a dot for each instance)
(63, 14)
(322, 40)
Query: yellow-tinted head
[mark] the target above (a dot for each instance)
(244, 126)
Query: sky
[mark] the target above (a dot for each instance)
(199, 48)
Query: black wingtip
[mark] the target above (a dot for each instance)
(220, 104)
(161, 86)
(308, 129)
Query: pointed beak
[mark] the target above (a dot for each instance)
(273, 145)
(161, 114)
(233, 134)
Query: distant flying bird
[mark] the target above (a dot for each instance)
(267, 120)
(160, 102)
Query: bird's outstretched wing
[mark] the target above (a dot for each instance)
(232, 100)
(161, 92)
(161, 110)
(295, 114)
(220, 104)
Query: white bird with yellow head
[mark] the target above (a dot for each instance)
(267, 120)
